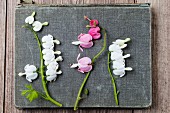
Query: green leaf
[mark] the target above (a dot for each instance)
(86, 92)
(28, 86)
(32, 96)
(24, 92)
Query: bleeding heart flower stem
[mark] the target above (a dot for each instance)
(88, 74)
(47, 96)
(113, 80)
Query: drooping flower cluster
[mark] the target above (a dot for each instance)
(30, 72)
(84, 64)
(117, 57)
(86, 40)
(49, 57)
(37, 26)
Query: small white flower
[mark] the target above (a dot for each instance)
(121, 72)
(46, 51)
(115, 48)
(30, 72)
(30, 19)
(122, 42)
(48, 42)
(51, 78)
(38, 25)
(118, 56)
(48, 56)
(53, 65)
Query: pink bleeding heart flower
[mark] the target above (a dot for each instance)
(84, 64)
(95, 32)
(94, 23)
(85, 41)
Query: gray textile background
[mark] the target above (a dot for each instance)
(65, 24)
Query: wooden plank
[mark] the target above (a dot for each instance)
(2, 50)
(9, 87)
(161, 52)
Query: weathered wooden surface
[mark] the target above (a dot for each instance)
(161, 29)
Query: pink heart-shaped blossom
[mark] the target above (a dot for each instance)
(95, 32)
(86, 40)
(84, 64)
(94, 23)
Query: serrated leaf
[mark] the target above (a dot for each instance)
(24, 92)
(28, 86)
(32, 96)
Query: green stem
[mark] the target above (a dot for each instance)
(88, 74)
(113, 81)
(49, 98)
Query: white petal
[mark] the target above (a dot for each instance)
(47, 62)
(29, 20)
(128, 69)
(119, 42)
(52, 77)
(116, 56)
(47, 38)
(118, 65)
(21, 74)
(48, 45)
(123, 46)
(50, 72)
(59, 72)
(37, 26)
(56, 41)
(115, 48)
(126, 56)
(53, 65)
(45, 51)
(57, 52)
(31, 76)
(76, 42)
(119, 72)
(59, 58)
(74, 65)
(49, 56)
(30, 68)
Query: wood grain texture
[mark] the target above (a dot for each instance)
(2, 50)
(161, 38)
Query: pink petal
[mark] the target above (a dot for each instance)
(85, 38)
(85, 61)
(95, 32)
(85, 68)
(87, 45)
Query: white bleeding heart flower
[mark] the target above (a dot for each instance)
(121, 43)
(30, 19)
(118, 56)
(37, 26)
(115, 48)
(53, 65)
(45, 51)
(121, 71)
(30, 72)
(52, 74)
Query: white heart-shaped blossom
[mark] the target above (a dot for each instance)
(31, 76)
(30, 68)
(30, 19)
(53, 65)
(30, 72)
(47, 62)
(121, 42)
(48, 56)
(49, 38)
(118, 64)
(45, 51)
(48, 45)
(37, 26)
(51, 78)
(115, 48)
